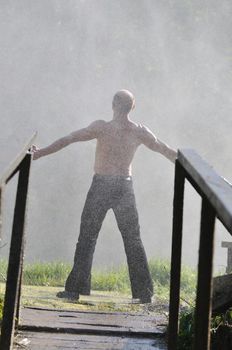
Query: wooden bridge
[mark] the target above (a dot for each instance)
(70, 329)
(65, 329)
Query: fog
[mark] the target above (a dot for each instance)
(61, 63)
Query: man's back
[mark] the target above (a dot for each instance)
(116, 146)
(117, 140)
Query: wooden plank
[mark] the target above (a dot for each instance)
(204, 281)
(6, 175)
(177, 233)
(51, 341)
(226, 244)
(12, 293)
(215, 188)
(93, 312)
(91, 322)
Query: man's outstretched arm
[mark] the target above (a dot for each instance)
(152, 142)
(85, 134)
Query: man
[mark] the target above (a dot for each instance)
(112, 187)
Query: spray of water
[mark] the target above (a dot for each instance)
(61, 63)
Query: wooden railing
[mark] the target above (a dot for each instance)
(216, 194)
(20, 165)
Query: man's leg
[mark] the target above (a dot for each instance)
(128, 224)
(79, 279)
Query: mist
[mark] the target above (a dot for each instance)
(62, 62)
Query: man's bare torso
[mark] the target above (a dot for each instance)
(116, 146)
(117, 142)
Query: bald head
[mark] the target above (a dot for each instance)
(123, 102)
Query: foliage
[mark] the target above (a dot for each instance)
(1, 308)
(186, 330)
(110, 279)
(160, 272)
(114, 279)
(221, 330)
(46, 274)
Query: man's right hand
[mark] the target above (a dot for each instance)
(35, 151)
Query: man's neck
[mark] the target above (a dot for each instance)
(121, 118)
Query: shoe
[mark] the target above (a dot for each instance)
(68, 295)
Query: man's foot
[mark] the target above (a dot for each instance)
(68, 295)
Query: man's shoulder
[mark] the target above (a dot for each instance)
(144, 133)
(97, 126)
(140, 128)
(98, 123)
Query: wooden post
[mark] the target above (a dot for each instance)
(204, 283)
(176, 257)
(15, 258)
(228, 245)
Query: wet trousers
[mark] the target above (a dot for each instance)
(116, 193)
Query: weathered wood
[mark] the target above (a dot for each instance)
(217, 191)
(159, 307)
(204, 283)
(54, 341)
(13, 167)
(222, 293)
(176, 256)
(12, 292)
(228, 245)
(91, 322)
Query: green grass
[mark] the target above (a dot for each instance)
(160, 272)
(46, 274)
(111, 279)
(45, 296)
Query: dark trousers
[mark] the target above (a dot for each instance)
(108, 192)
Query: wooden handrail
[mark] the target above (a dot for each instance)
(216, 194)
(20, 164)
(13, 166)
(216, 189)
(9, 172)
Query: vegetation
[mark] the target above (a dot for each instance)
(41, 282)
(221, 330)
(111, 279)
(186, 330)
(1, 308)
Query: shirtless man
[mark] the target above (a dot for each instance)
(112, 187)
